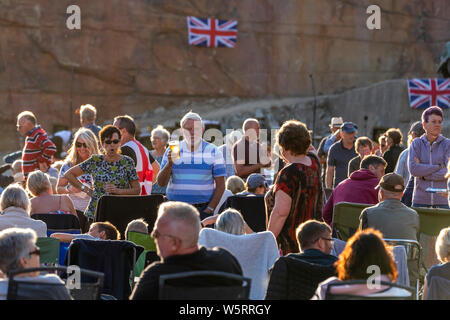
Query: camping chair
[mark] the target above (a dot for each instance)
(120, 210)
(203, 285)
(253, 210)
(295, 279)
(49, 251)
(335, 291)
(31, 290)
(346, 219)
(414, 255)
(148, 243)
(66, 223)
(115, 258)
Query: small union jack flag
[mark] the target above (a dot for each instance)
(424, 93)
(212, 32)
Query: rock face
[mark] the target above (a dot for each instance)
(133, 56)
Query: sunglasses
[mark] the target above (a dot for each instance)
(79, 145)
(116, 141)
(36, 251)
(155, 235)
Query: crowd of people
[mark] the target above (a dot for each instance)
(298, 185)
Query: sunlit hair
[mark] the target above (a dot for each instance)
(161, 132)
(91, 141)
(235, 184)
(38, 182)
(190, 115)
(443, 245)
(27, 115)
(365, 248)
(88, 112)
(294, 137)
(231, 221)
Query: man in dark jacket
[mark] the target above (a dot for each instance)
(359, 188)
(176, 234)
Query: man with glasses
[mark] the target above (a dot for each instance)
(315, 243)
(176, 233)
(196, 173)
(39, 149)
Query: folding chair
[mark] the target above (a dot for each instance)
(343, 291)
(49, 251)
(32, 290)
(203, 285)
(120, 210)
(414, 256)
(295, 279)
(115, 258)
(148, 243)
(253, 210)
(66, 223)
(346, 219)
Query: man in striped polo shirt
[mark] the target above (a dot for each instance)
(197, 174)
(39, 149)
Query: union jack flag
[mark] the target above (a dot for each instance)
(424, 93)
(212, 32)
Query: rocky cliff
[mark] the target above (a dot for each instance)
(132, 56)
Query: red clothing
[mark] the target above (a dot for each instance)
(38, 148)
(359, 188)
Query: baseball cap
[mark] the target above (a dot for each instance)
(349, 127)
(255, 180)
(336, 122)
(417, 128)
(392, 182)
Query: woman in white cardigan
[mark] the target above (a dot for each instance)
(15, 207)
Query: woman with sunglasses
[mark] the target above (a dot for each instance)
(84, 145)
(18, 251)
(111, 172)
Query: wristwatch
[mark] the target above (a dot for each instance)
(83, 188)
(212, 209)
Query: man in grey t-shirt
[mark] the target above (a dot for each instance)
(340, 155)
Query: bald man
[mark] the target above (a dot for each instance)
(249, 155)
(176, 234)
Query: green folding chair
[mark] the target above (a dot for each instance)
(432, 221)
(346, 218)
(49, 251)
(144, 240)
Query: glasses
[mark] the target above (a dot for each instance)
(36, 251)
(116, 141)
(328, 239)
(156, 234)
(81, 144)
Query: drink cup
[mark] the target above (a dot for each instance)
(175, 148)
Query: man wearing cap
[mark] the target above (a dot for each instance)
(391, 217)
(255, 186)
(340, 154)
(402, 169)
(327, 142)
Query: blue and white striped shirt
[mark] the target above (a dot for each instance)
(193, 173)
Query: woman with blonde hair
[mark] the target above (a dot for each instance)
(84, 145)
(440, 270)
(44, 201)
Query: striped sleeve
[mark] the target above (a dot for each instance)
(48, 149)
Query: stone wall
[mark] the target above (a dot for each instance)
(132, 56)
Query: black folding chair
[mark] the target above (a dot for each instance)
(253, 210)
(115, 258)
(78, 290)
(59, 222)
(203, 285)
(120, 210)
(294, 279)
(405, 293)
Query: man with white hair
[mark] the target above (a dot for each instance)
(176, 233)
(39, 149)
(88, 115)
(196, 174)
(249, 155)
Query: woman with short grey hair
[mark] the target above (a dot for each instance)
(229, 221)
(159, 138)
(18, 251)
(15, 207)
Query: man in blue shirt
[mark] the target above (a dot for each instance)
(196, 174)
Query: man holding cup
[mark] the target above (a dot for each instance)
(196, 173)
